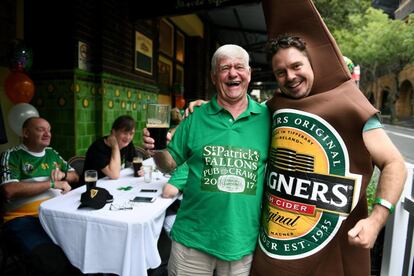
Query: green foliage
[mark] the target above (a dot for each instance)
(375, 41)
(372, 187)
(335, 13)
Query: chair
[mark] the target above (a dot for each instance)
(141, 151)
(77, 163)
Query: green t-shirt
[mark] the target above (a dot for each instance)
(226, 159)
(18, 164)
(179, 177)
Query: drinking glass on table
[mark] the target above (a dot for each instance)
(147, 173)
(158, 123)
(137, 164)
(91, 176)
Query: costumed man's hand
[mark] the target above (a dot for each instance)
(190, 108)
(364, 233)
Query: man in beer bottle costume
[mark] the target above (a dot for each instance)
(325, 138)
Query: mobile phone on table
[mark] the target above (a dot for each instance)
(148, 190)
(143, 199)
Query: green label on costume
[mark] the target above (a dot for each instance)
(309, 190)
(230, 169)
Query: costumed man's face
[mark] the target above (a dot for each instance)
(123, 137)
(231, 78)
(293, 72)
(37, 134)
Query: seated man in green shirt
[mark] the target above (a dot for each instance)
(30, 174)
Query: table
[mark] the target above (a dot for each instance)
(123, 242)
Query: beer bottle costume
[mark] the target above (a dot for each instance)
(20, 164)
(220, 210)
(319, 167)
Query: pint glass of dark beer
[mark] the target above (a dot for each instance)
(158, 123)
(91, 176)
(137, 164)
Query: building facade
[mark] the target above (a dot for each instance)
(395, 97)
(96, 60)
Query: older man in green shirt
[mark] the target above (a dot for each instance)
(225, 144)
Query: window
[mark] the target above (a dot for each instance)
(171, 57)
(164, 73)
(179, 75)
(179, 53)
(143, 53)
(166, 38)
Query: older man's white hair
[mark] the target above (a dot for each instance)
(229, 50)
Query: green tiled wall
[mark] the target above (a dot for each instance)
(87, 121)
(54, 101)
(82, 107)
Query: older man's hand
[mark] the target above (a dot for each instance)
(149, 143)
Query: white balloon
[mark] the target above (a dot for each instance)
(20, 113)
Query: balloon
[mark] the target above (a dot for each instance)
(19, 87)
(180, 102)
(18, 114)
(20, 56)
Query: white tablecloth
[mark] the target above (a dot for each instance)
(123, 242)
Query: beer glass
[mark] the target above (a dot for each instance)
(137, 164)
(158, 123)
(91, 176)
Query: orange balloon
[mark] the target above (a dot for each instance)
(19, 87)
(180, 102)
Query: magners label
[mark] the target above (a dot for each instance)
(309, 190)
(230, 169)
